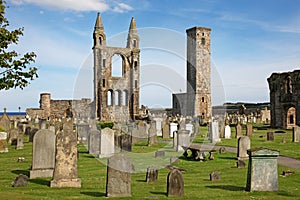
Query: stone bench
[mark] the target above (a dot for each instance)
(197, 152)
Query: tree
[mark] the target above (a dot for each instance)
(14, 68)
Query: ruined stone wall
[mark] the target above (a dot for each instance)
(35, 113)
(284, 95)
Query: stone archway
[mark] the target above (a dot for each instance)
(290, 117)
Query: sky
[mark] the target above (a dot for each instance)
(250, 40)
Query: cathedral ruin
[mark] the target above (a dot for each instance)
(285, 99)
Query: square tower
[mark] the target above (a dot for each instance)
(198, 73)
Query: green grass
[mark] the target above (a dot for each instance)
(92, 173)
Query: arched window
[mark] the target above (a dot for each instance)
(134, 43)
(116, 66)
(109, 97)
(117, 97)
(203, 41)
(100, 40)
(125, 98)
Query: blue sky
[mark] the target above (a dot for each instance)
(250, 39)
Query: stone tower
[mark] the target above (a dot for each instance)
(198, 72)
(116, 97)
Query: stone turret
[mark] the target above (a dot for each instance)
(133, 39)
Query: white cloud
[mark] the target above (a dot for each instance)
(122, 7)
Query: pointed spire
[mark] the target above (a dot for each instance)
(99, 24)
(132, 24)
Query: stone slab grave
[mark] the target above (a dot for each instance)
(175, 183)
(296, 134)
(152, 174)
(20, 142)
(107, 143)
(262, 170)
(270, 136)
(152, 134)
(238, 130)
(43, 154)
(227, 132)
(249, 130)
(118, 179)
(21, 181)
(94, 142)
(65, 171)
(243, 147)
(159, 154)
(3, 142)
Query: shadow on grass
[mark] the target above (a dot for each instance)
(159, 193)
(94, 194)
(40, 181)
(227, 187)
(25, 172)
(228, 158)
(88, 156)
(141, 181)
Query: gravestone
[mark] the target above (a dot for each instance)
(222, 150)
(270, 136)
(43, 154)
(43, 123)
(214, 176)
(166, 130)
(173, 127)
(65, 171)
(32, 133)
(3, 142)
(196, 126)
(117, 138)
(94, 142)
(27, 130)
(175, 183)
(118, 179)
(159, 154)
(183, 140)
(182, 124)
(21, 181)
(83, 132)
(20, 142)
(243, 147)
(5, 121)
(238, 130)
(152, 138)
(107, 143)
(126, 141)
(262, 170)
(222, 132)
(214, 132)
(173, 159)
(13, 135)
(227, 132)
(175, 139)
(240, 164)
(249, 130)
(158, 124)
(296, 134)
(190, 128)
(152, 174)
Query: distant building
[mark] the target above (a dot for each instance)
(197, 101)
(285, 99)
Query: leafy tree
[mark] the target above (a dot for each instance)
(14, 68)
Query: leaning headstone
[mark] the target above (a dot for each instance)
(21, 181)
(296, 134)
(94, 142)
(214, 132)
(20, 142)
(43, 154)
(13, 135)
(249, 130)
(65, 171)
(173, 127)
(152, 174)
(270, 136)
(214, 176)
(183, 140)
(175, 183)
(262, 170)
(3, 142)
(227, 132)
(238, 130)
(118, 180)
(152, 138)
(107, 143)
(243, 147)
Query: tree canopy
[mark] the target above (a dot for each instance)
(15, 70)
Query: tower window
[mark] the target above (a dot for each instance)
(202, 99)
(203, 41)
(104, 62)
(202, 34)
(103, 82)
(135, 83)
(135, 65)
(100, 40)
(134, 44)
(109, 97)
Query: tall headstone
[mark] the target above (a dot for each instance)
(222, 132)
(13, 135)
(126, 140)
(20, 142)
(296, 134)
(175, 183)
(152, 174)
(173, 127)
(107, 143)
(3, 142)
(118, 179)
(43, 154)
(183, 140)
(65, 171)
(152, 138)
(227, 132)
(190, 128)
(270, 136)
(249, 130)
(94, 142)
(43, 123)
(238, 130)
(214, 132)
(243, 147)
(262, 170)
(175, 139)
(158, 125)
(83, 132)
(166, 130)
(117, 137)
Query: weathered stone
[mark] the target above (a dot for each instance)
(158, 125)
(249, 130)
(118, 182)
(32, 133)
(183, 140)
(126, 142)
(13, 135)
(27, 130)
(173, 127)
(159, 154)
(240, 164)
(227, 132)
(21, 181)
(65, 171)
(5, 121)
(222, 132)
(43, 123)
(3, 142)
(107, 143)
(190, 128)
(20, 142)
(214, 176)
(83, 132)
(211, 155)
(238, 130)
(243, 146)
(94, 142)
(270, 136)
(175, 183)
(166, 130)
(262, 170)
(214, 132)
(152, 174)
(296, 134)
(222, 150)
(173, 159)
(152, 138)
(43, 154)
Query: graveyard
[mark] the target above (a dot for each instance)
(92, 172)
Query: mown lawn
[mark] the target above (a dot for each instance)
(92, 173)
